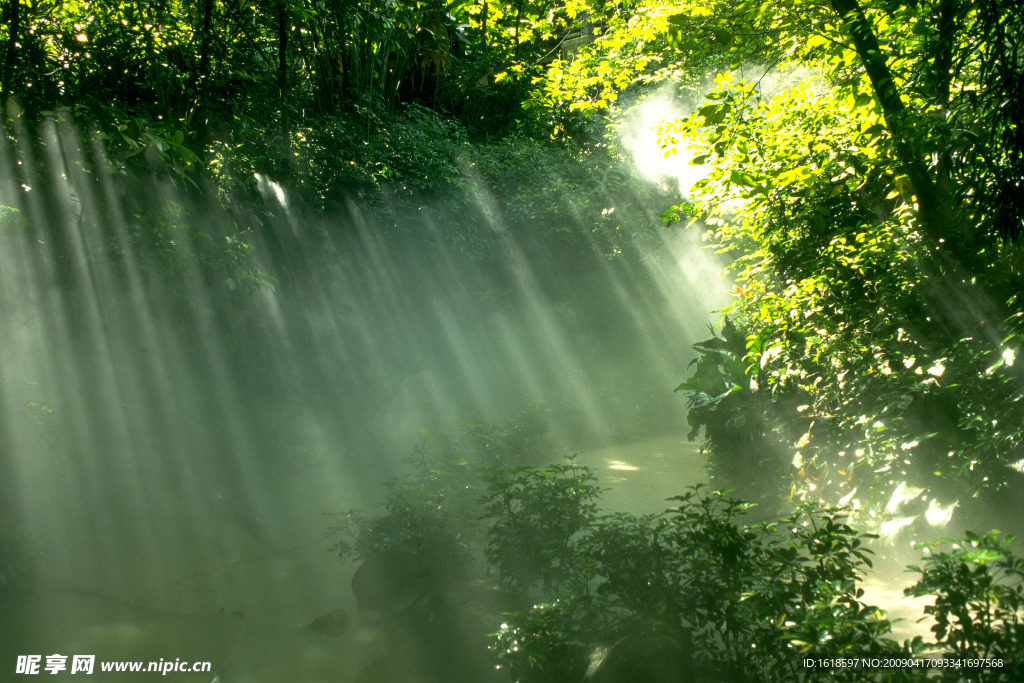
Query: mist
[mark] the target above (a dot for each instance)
(169, 451)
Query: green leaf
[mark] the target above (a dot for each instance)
(723, 36)
(738, 177)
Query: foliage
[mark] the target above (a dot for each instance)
(869, 291)
(725, 400)
(539, 186)
(933, 96)
(439, 493)
(338, 160)
(335, 102)
(144, 206)
(697, 591)
(647, 43)
(417, 571)
(210, 66)
(535, 515)
(421, 557)
(979, 589)
(517, 440)
(863, 157)
(420, 512)
(830, 291)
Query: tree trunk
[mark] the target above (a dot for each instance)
(935, 211)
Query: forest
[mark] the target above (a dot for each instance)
(308, 303)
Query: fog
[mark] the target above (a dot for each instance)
(169, 450)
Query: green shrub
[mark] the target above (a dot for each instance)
(694, 590)
(979, 604)
(697, 592)
(535, 516)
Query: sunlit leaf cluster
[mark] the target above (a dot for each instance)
(872, 277)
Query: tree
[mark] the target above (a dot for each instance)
(874, 268)
(866, 204)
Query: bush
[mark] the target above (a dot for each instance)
(979, 603)
(695, 592)
(536, 515)
(698, 592)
